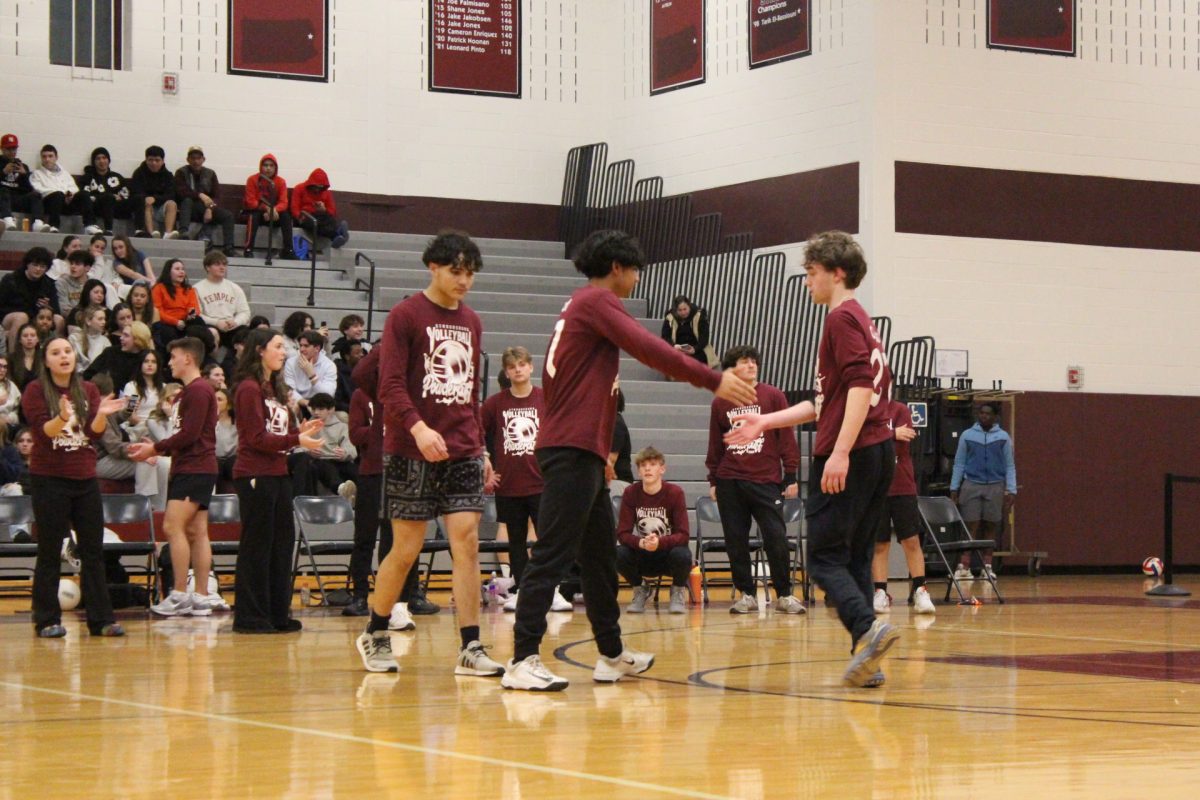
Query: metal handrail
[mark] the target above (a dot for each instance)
(370, 289)
(312, 254)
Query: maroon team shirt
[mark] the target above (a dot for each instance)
(265, 432)
(366, 414)
(580, 373)
(851, 356)
(512, 424)
(429, 371)
(663, 513)
(759, 460)
(70, 454)
(904, 482)
(193, 447)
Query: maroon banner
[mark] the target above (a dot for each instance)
(1039, 26)
(269, 39)
(676, 44)
(780, 30)
(475, 47)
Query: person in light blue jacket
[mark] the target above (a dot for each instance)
(984, 483)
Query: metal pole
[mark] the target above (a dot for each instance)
(1166, 588)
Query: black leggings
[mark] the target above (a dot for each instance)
(515, 513)
(264, 562)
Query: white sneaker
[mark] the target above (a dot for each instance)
(987, 572)
(882, 602)
(531, 675)
(746, 604)
(473, 660)
(401, 620)
(10, 223)
(561, 603)
(92, 230)
(38, 226)
(376, 651)
(922, 602)
(216, 602)
(158, 235)
(200, 606)
(169, 235)
(510, 605)
(51, 229)
(176, 604)
(789, 604)
(630, 662)
(963, 574)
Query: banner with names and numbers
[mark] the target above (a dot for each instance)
(780, 30)
(676, 44)
(475, 47)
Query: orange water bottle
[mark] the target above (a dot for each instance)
(695, 586)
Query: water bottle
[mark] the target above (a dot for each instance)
(695, 586)
(305, 595)
(493, 597)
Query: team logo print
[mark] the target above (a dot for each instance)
(520, 431)
(449, 365)
(735, 421)
(72, 436)
(652, 522)
(277, 418)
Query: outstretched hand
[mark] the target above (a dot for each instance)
(311, 427)
(749, 428)
(735, 390)
(109, 404)
(140, 451)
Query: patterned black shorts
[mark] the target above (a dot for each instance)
(415, 489)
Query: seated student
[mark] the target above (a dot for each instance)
(353, 326)
(104, 271)
(23, 361)
(26, 289)
(14, 464)
(69, 285)
(348, 353)
(178, 306)
(313, 198)
(310, 372)
(60, 193)
(227, 439)
(214, 373)
(10, 397)
(44, 322)
(265, 202)
(199, 194)
(90, 340)
(112, 461)
(152, 188)
(131, 264)
(652, 534)
(142, 304)
(58, 267)
(686, 329)
(122, 361)
(296, 323)
(223, 305)
(332, 466)
(16, 193)
(119, 316)
(143, 391)
(108, 192)
(94, 295)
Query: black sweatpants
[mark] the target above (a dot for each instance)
(368, 520)
(841, 532)
(575, 523)
(515, 513)
(740, 502)
(60, 504)
(637, 564)
(55, 205)
(264, 562)
(255, 219)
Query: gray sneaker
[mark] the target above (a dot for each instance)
(789, 604)
(678, 600)
(641, 594)
(176, 604)
(200, 605)
(376, 652)
(746, 604)
(473, 660)
(868, 652)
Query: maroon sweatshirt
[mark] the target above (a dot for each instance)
(851, 356)
(759, 460)
(663, 513)
(70, 454)
(365, 410)
(429, 371)
(904, 482)
(580, 373)
(193, 446)
(512, 423)
(265, 432)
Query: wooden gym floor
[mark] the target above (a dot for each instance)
(1077, 687)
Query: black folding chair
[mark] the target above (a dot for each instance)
(708, 513)
(797, 542)
(16, 515)
(489, 527)
(435, 542)
(132, 518)
(324, 527)
(946, 539)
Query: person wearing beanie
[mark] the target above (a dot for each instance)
(108, 190)
(265, 202)
(314, 209)
(199, 194)
(16, 193)
(153, 191)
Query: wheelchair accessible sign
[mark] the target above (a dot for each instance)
(920, 414)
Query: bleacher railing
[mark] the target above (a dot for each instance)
(368, 287)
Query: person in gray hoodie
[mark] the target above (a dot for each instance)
(333, 465)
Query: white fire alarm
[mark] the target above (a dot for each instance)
(1074, 377)
(170, 83)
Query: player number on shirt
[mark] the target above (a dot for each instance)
(879, 362)
(558, 329)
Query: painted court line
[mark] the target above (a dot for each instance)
(342, 737)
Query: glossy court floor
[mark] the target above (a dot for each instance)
(1077, 687)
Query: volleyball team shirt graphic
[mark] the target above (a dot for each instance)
(72, 436)
(449, 365)
(735, 416)
(653, 521)
(276, 417)
(520, 431)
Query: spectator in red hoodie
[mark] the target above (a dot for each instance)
(313, 198)
(265, 201)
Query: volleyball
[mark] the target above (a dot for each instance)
(68, 594)
(1153, 566)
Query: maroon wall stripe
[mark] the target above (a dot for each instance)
(946, 200)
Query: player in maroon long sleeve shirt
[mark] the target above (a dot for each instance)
(652, 533)
(575, 517)
(854, 455)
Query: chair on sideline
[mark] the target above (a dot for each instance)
(946, 539)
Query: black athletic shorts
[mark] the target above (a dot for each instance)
(415, 489)
(900, 516)
(194, 487)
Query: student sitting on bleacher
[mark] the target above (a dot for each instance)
(199, 194)
(264, 201)
(314, 198)
(223, 305)
(153, 190)
(16, 194)
(108, 191)
(60, 193)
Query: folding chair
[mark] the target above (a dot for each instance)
(131, 518)
(435, 542)
(17, 512)
(797, 542)
(946, 536)
(224, 525)
(707, 512)
(324, 527)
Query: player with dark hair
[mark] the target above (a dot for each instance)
(575, 516)
(853, 453)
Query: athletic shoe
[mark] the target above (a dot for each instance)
(510, 605)
(176, 604)
(882, 602)
(289, 255)
(291, 626)
(641, 593)
(789, 605)
(140, 234)
(630, 662)
(110, 630)
(348, 490)
(400, 620)
(248, 252)
(421, 605)
(50, 229)
(11, 224)
(875, 681)
(868, 652)
(200, 605)
(216, 602)
(357, 608)
(987, 572)
(746, 604)
(38, 226)
(560, 603)
(69, 555)
(376, 651)
(922, 602)
(55, 631)
(158, 235)
(175, 235)
(963, 574)
(474, 660)
(229, 250)
(531, 675)
(92, 230)
(678, 600)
